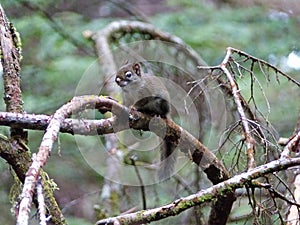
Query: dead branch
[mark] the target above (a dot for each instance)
(110, 32)
(202, 196)
(199, 153)
(242, 106)
(10, 60)
(75, 105)
(263, 62)
(250, 148)
(71, 126)
(232, 68)
(15, 150)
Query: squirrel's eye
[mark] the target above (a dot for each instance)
(128, 74)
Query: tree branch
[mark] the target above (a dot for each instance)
(254, 59)
(71, 126)
(199, 153)
(11, 64)
(202, 196)
(236, 95)
(74, 106)
(14, 150)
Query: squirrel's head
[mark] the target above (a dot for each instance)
(128, 75)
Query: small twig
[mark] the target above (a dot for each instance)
(264, 95)
(277, 194)
(263, 62)
(133, 159)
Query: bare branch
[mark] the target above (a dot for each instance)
(39, 160)
(200, 154)
(242, 107)
(202, 196)
(263, 62)
(10, 47)
(41, 202)
(235, 92)
(15, 150)
(71, 126)
(109, 32)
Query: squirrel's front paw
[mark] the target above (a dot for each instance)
(133, 114)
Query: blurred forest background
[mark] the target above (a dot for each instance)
(56, 54)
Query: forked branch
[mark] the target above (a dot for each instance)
(243, 109)
(199, 153)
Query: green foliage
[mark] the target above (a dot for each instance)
(251, 29)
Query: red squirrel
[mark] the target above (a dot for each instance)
(147, 94)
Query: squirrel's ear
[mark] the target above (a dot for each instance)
(137, 68)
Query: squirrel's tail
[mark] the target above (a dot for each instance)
(168, 159)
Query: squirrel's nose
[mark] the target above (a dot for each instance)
(120, 82)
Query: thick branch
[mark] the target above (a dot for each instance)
(74, 106)
(187, 143)
(71, 126)
(15, 150)
(199, 198)
(199, 153)
(10, 46)
(11, 65)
